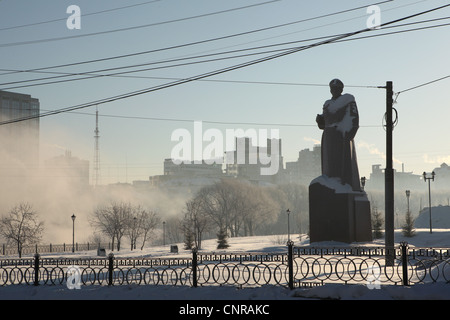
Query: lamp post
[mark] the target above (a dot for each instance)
(289, 234)
(363, 182)
(408, 193)
(425, 178)
(164, 233)
(73, 232)
(133, 235)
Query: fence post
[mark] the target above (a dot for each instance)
(110, 268)
(290, 264)
(194, 267)
(404, 247)
(36, 269)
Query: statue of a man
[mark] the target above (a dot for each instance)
(339, 122)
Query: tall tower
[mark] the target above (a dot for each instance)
(96, 152)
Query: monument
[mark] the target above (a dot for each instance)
(339, 209)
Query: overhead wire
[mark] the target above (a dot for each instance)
(397, 94)
(11, 44)
(215, 72)
(94, 73)
(84, 15)
(423, 84)
(333, 23)
(195, 42)
(203, 121)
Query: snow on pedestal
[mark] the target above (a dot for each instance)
(338, 213)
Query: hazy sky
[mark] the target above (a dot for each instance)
(276, 94)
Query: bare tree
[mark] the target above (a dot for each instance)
(21, 226)
(97, 238)
(173, 227)
(196, 222)
(215, 205)
(258, 208)
(123, 219)
(224, 204)
(113, 221)
(148, 220)
(295, 198)
(133, 230)
(101, 221)
(232, 205)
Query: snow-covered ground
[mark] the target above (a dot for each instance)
(272, 243)
(440, 216)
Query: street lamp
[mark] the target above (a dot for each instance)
(425, 178)
(289, 234)
(73, 232)
(133, 235)
(363, 182)
(408, 193)
(164, 233)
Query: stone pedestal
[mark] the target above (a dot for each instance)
(337, 213)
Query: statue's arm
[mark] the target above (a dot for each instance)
(355, 120)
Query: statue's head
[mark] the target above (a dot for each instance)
(336, 88)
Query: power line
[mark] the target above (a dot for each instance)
(132, 28)
(216, 72)
(196, 42)
(401, 31)
(423, 84)
(152, 89)
(419, 86)
(93, 74)
(334, 23)
(84, 15)
(204, 121)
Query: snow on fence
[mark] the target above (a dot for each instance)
(50, 248)
(301, 266)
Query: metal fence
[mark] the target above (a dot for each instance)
(50, 248)
(371, 266)
(298, 267)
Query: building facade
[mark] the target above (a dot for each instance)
(251, 162)
(19, 135)
(68, 169)
(306, 168)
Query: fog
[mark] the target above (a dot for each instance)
(55, 201)
(59, 187)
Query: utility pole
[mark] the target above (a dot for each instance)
(389, 180)
(425, 178)
(96, 152)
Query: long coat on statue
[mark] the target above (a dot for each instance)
(340, 122)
